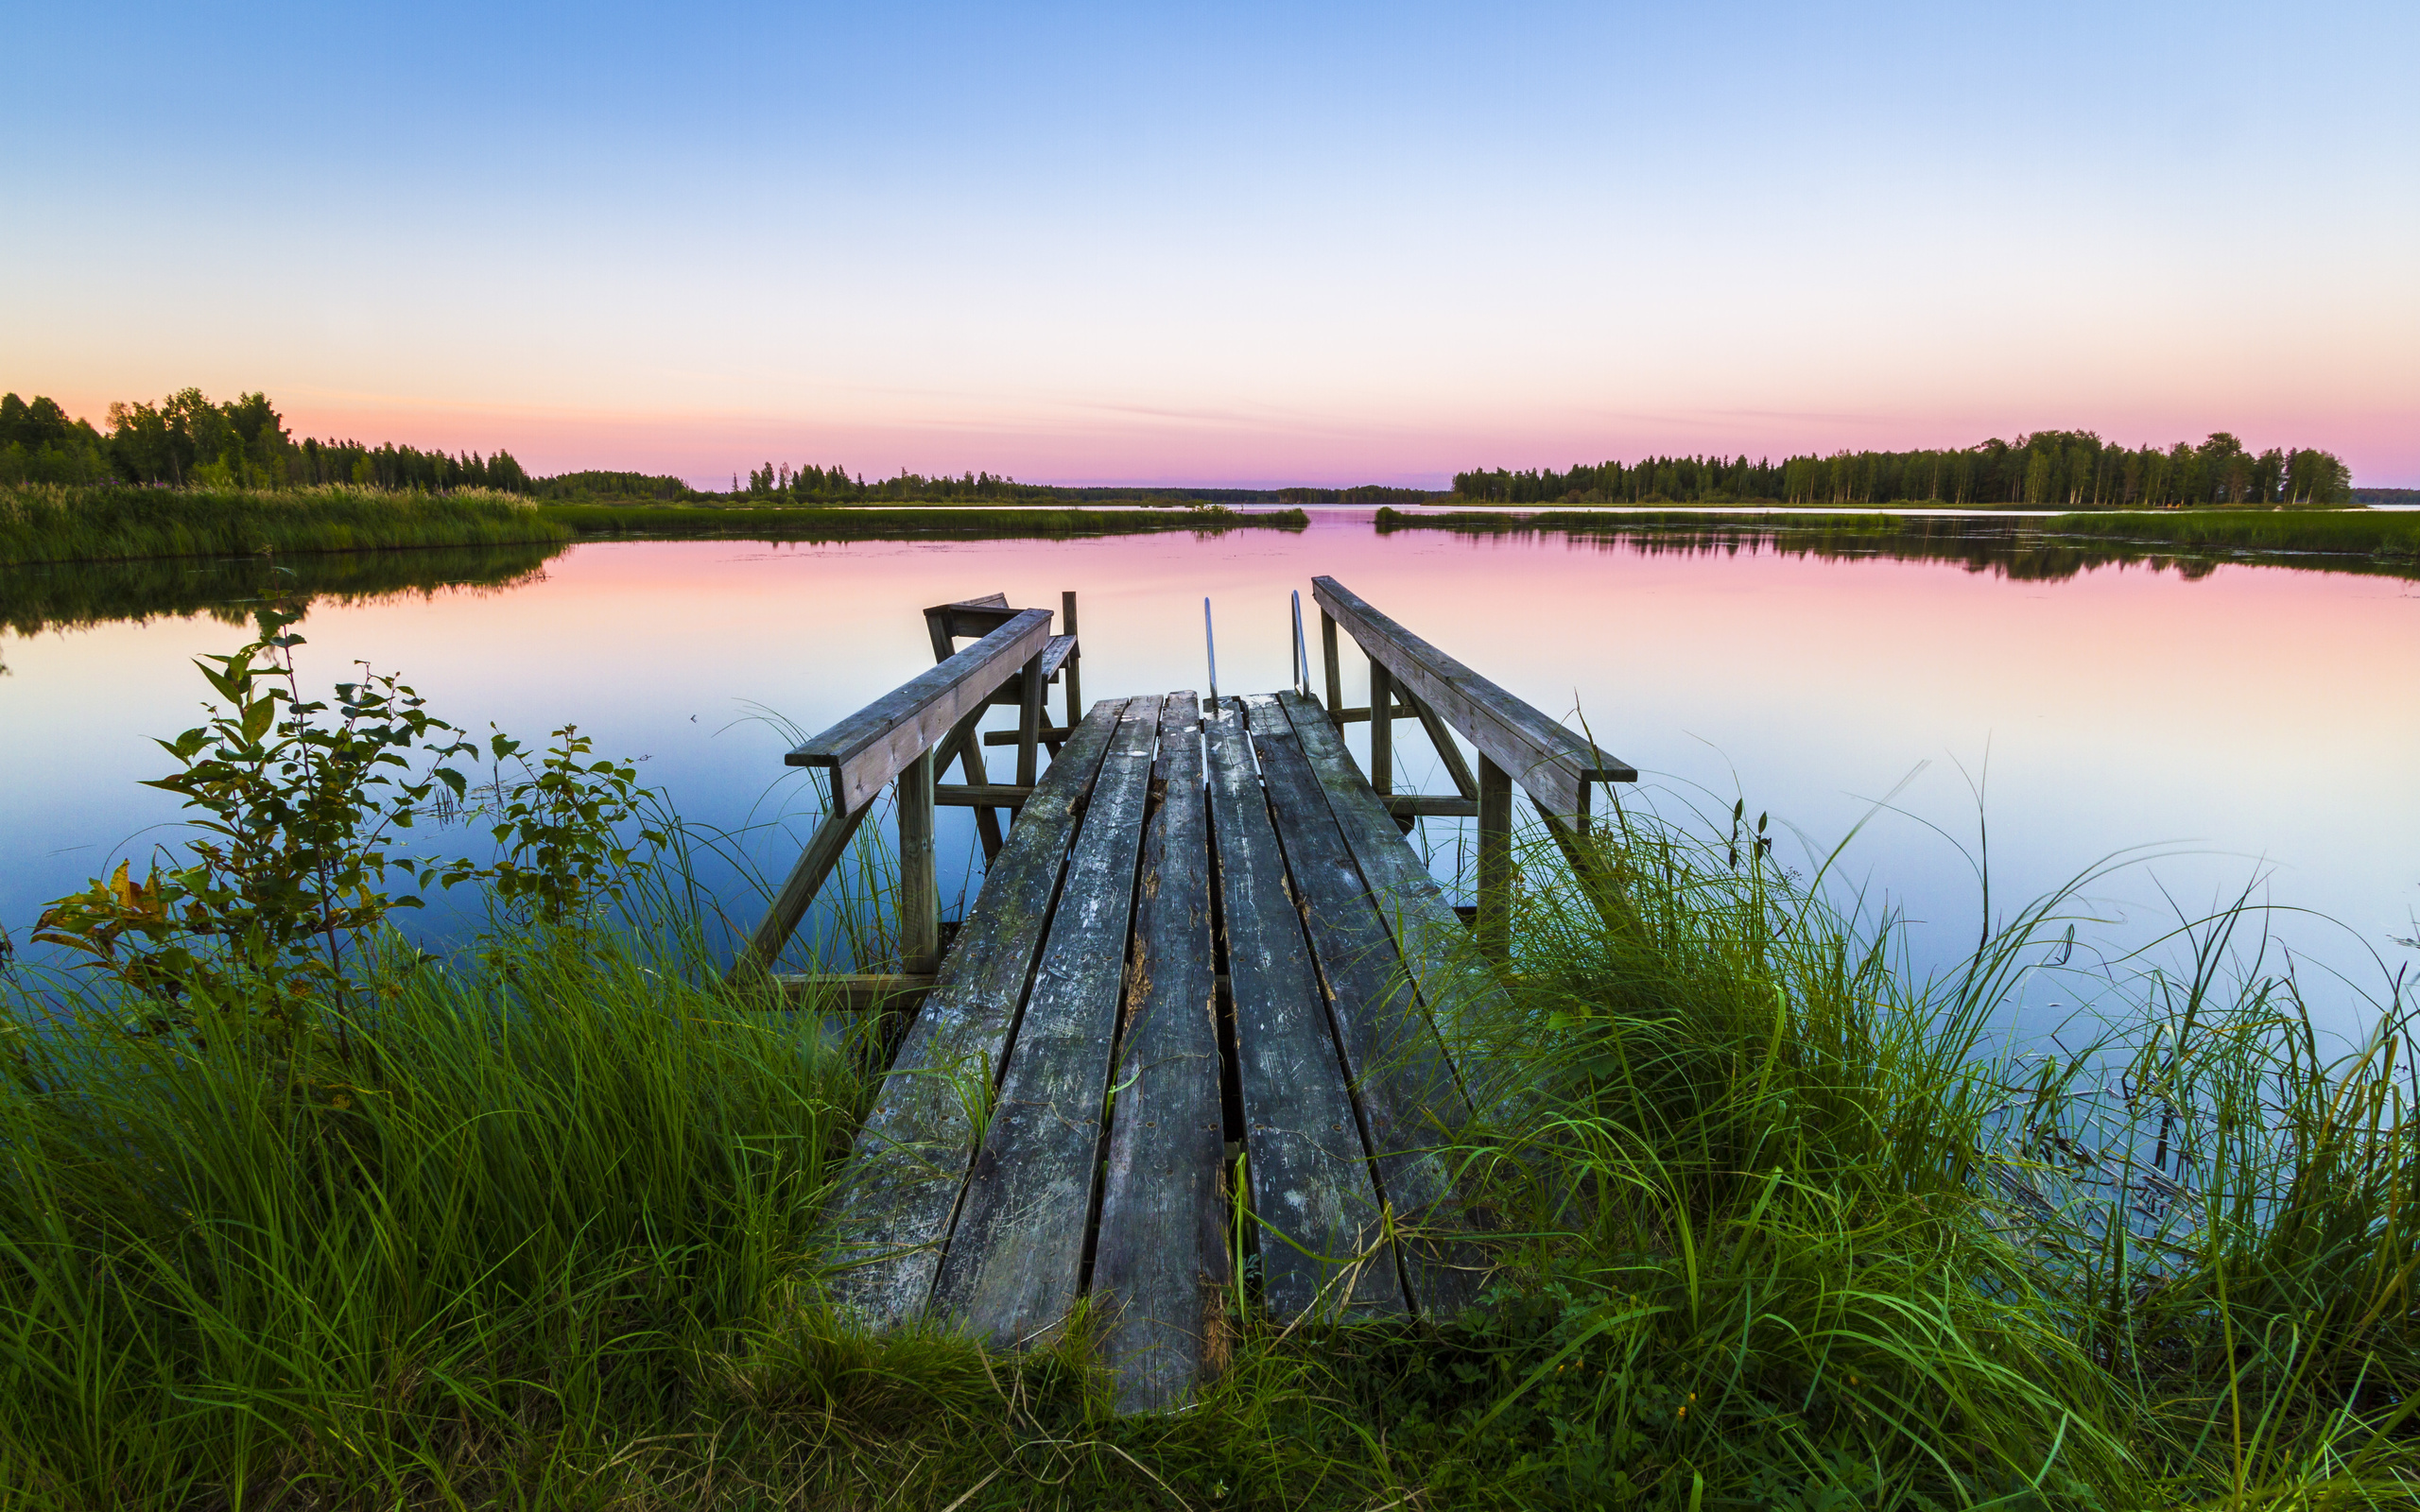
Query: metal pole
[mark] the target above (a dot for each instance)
(1301, 650)
(1210, 641)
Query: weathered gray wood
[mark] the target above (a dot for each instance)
(822, 852)
(868, 748)
(1029, 724)
(989, 796)
(1310, 1184)
(1428, 806)
(1075, 654)
(1494, 924)
(897, 1196)
(1465, 1002)
(1555, 764)
(1160, 1266)
(1054, 657)
(1447, 751)
(854, 992)
(1009, 737)
(1015, 1255)
(1409, 1101)
(1382, 727)
(963, 744)
(1329, 664)
(969, 616)
(920, 893)
(1359, 714)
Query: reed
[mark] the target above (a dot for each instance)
(1773, 1223)
(49, 524)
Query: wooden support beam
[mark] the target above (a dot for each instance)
(1029, 724)
(868, 748)
(983, 795)
(1555, 764)
(1382, 727)
(1494, 858)
(824, 851)
(1448, 752)
(920, 893)
(1075, 655)
(1361, 716)
(1427, 806)
(855, 991)
(1009, 737)
(1329, 664)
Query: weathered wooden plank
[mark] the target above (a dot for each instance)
(1554, 764)
(821, 852)
(854, 991)
(1160, 1266)
(1329, 665)
(1465, 1002)
(964, 744)
(868, 748)
(989, 796)
(901, 1186)
(1428, 806)
(1443, 739)
(920, 898)
(1408, 1098)
(1495, 922)
(1015, 1255)
(1310, 1184)
(1382, 727)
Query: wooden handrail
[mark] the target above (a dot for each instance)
(873, 746)
(1555, 764)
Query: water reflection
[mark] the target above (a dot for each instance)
(2017, 549)
(2099, 701)
(75, 594)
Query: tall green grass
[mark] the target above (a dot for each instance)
(1773, 1228)
(42, 524)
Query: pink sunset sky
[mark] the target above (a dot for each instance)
(1243, 247)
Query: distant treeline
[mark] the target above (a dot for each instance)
(1365, 493)
(187, 440)
(2058, 469)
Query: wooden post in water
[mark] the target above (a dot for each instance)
(1029, 724)
(1382, 727)
(1075, 656)
(1334, 676)
(1495, 922)
(920, 893)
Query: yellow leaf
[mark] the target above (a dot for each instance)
(121, 888)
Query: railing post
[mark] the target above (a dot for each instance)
(1029, 724)
(920, 893)
(1494, 921)
(1382, 727)
(1335, 677)
(1074, 658)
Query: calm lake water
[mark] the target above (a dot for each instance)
(2249, 722)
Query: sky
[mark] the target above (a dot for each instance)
(1242, 245)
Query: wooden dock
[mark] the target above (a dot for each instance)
(1202, 1013)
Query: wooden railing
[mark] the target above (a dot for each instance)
(905, 737)
(1517, 743)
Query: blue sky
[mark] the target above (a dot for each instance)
(1231, 244)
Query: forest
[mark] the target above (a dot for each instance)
(189, 440)
(2051, 469)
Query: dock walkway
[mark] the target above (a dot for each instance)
(1202, 950)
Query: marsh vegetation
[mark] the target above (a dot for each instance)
(294, 1213)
